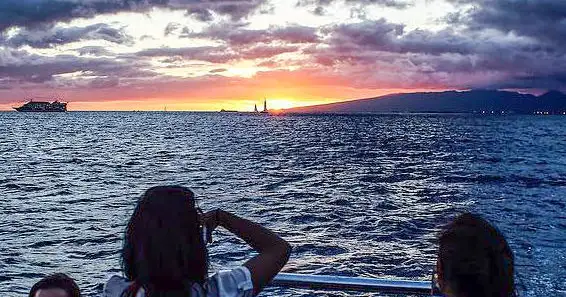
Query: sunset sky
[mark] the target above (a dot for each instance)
(208, 55)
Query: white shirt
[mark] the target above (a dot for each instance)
(231, 283)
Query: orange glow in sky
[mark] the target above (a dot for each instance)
(278, 99)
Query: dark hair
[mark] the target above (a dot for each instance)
(475, 259)
(57, 281)
(163, 249)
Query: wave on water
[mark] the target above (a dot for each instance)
(355, 195)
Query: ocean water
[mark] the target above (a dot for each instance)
(356, 195)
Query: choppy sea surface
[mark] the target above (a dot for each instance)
(358, 195)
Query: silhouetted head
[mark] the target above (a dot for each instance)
(163, 249)
(55, 285)
(474, 260)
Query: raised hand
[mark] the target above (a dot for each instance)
(210, 220)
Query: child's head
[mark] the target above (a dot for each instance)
(55, 285)
(474, 259)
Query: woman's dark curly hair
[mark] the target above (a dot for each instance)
(163, 250)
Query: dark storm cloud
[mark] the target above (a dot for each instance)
(203, 10)
(295, 34)
(24, 67)
(104, 82)
(358, 6)
(212, 54)
(446, 56)
(236, 9)
(200, 13)
(217, 54)
(381, 35)
(31, 13)
(388, 3)
(376, 35)
(498, 43)
(94, 51)
(235, 35)
(171, 27)
(52, 36)
(541, 19)
(260, 52)
(555, 81)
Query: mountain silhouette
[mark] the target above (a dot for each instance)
(473, 101)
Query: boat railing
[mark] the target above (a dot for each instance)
(344, 283)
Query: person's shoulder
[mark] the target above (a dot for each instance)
(235, 282)
(115, 286)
